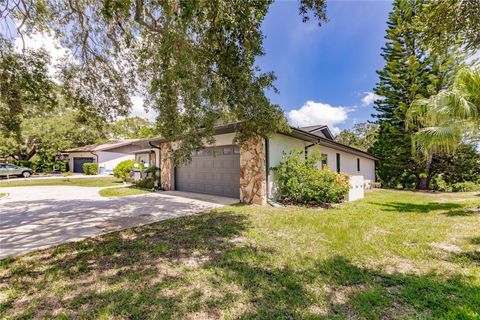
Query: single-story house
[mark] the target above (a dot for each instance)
(224, 168)
(107, 154)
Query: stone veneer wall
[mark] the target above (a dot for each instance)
(166, 167)
(253, 175)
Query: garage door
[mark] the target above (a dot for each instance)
(78, 163)
(213, 171)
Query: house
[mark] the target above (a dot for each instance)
(107, 154)
(245, 173)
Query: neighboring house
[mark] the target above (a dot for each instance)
(107, 154)
(228, 170)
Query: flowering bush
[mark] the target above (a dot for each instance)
(300, 181)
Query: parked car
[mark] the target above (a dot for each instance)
(7, 169)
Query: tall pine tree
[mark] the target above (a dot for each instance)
(409, 73)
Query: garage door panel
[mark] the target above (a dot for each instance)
(79, 161)
(213, 171)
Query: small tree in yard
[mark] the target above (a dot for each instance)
(300, 181)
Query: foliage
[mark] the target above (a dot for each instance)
(90, 169)
(439, 184)
(448, 117)
(123, 169)
(462, 165)
(23, 163)
(362, 137)
(67, 174)
(131, 128)
(49, 165)
(151, 179)
(448, 22)
(194, 61)
(468, 186)
(26, 89)
(409, 73)
(300, 181)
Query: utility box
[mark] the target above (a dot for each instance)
(357, 188)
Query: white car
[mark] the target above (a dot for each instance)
(7, 169)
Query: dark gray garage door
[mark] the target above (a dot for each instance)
(213, 171)
(78, 163)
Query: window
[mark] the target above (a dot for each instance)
(227, 150)
(236, 150)
(358, 164)
(338, 162)
(324, 160)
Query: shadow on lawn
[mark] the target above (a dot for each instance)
(201, 266)
(418, 208)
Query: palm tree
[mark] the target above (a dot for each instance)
(446, 119)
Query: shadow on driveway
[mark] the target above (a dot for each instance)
(29, 225)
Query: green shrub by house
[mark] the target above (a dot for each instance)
(123, 169)
(151, 180)
(300, 181)
(90, 168)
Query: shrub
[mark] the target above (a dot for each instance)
(23, 163)
(465, 187)
(123, 169)
(439, 184)
(149, 181)
(300, 181)
(90, 168)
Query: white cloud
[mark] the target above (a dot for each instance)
(315, 113)
(369, 98)
(139, 111)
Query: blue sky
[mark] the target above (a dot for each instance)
(326, 70)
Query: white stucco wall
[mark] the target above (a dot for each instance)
(109, 160)
(348, 163)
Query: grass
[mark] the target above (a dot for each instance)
(80, 182)
(122, 191)
(393, 255)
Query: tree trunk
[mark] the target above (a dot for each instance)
(424, 181)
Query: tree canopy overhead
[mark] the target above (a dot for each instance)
(193, 60)
(450, 22)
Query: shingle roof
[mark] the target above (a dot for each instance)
(103, 146)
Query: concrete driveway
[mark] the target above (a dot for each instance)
(43, 216)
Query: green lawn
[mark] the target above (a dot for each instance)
(122, 191)
(80, 182)
(393, 255)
